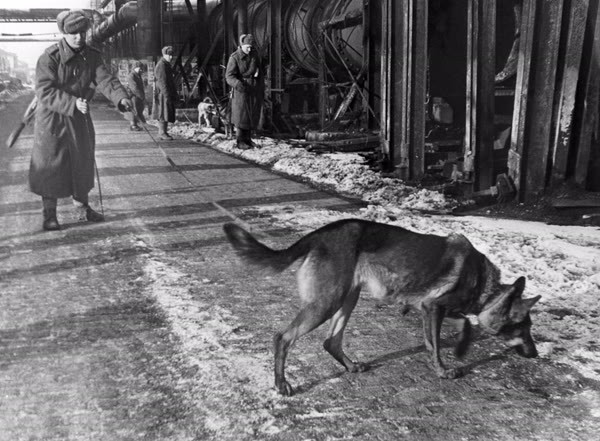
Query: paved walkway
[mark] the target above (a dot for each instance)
(86, 349)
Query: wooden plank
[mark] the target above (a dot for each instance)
(568, 89)
(484, 173)
(589, 97)
(404, 74)
(481, 69)
(539, 121)
(418, 88)
(576, 203)
(368, 43)
(471, 90)
(399, 85)
(522, 91)
(387, 61)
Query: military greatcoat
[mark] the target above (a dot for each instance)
(245, 75)
(62, 160)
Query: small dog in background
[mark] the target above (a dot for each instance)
(206, 111)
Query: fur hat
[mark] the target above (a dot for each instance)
(167, 50)
(72, 22)
(247, 39)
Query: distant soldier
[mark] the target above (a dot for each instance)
(245, 75)
(135, 85)
(62, 160)
(165, 93)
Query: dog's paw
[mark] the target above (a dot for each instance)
(450, 374)
(358, 367)
(284, 388)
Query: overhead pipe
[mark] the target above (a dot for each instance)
(125, 17)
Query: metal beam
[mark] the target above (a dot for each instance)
(242, 15)
(148, 28)
(275, 48)
(30, 15)
(227, 35)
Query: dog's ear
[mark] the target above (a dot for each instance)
(518, 287)
(495, 315)
(520, 308)
(511, 294)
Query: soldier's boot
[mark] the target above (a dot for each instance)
(50, 221)
(86, 213)
(162, 131)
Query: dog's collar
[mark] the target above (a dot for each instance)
(474, 320)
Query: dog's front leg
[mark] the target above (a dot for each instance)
(433, 316)
(464, 340)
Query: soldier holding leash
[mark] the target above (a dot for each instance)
(63, 156)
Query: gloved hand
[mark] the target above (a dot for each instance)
(241, 87)
(125, 105)
(82, 105)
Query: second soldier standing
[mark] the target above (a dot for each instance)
(135, 86)
(165, 93)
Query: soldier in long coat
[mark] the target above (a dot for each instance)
(62, 161)
(137, 93)
(165, 93)
(246, 77)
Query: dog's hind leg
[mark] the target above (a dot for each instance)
(309, 318)
(333, 343)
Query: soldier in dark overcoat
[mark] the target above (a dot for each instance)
(246, 77)
(137, 93)
(63, 155)
(165, 93)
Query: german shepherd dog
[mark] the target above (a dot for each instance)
(438, 276)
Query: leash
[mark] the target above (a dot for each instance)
(190, 183)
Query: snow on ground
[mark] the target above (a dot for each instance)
(224, 376)
(562, 263)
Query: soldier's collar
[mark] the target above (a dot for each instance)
(67, 52)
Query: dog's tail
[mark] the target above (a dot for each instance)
(254, 252)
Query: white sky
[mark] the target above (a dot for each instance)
(30, 51)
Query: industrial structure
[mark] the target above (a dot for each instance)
(470, 88)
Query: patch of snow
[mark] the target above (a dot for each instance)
(225, 378)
